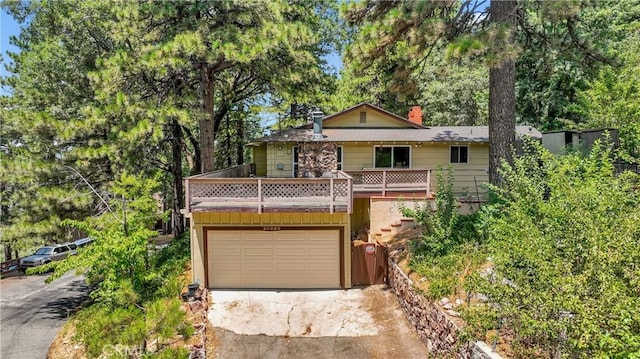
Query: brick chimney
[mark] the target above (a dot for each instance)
(415, 115)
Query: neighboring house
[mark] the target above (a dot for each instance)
(581, 140)
(287, 220)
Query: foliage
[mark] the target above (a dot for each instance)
(119, 252)
(612, 99)
(447, 252)
(549, 77)
(48, 88)
(565, 251)
(445, 228)
(135, 301)
(446, 273)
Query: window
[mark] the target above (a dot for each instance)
(363, 117)
(392, 157)
(339, 158)
(459, 154)
(295, 161)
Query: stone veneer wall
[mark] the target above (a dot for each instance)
(436, 331)
(316, 159)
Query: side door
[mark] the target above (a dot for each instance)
(64, 252)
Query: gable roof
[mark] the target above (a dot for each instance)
(366, 105)
(476, 134)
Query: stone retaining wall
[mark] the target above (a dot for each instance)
(437, 332)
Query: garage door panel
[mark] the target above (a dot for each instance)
(257, 251)
(229, 251)
(226, 267)
(274, 259)
(258, 266)
(291, 251)
(258, 236)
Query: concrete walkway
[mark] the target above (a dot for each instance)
(355, 323)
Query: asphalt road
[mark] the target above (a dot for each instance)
(32, 312)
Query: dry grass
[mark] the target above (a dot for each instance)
(63, 345)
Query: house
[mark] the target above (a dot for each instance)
(286, 221)
(561, 141)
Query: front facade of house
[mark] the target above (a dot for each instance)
(287, 220)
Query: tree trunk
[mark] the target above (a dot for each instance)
(177, 219)
(7, 252)
(227, 149)
(502, 102)
(207, 122)
(240, 142)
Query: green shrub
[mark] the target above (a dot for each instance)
(565, 243)
(445, 229)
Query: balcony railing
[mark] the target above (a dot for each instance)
(391, 180)
(215, 193)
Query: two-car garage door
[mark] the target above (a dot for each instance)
(273, 259)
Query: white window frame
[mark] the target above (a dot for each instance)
(294, 161)
(340, 165)
(392, 159)
(460, 163)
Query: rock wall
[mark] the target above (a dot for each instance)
(437, 332)
(316, 159)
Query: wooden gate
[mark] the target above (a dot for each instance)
(368, 264)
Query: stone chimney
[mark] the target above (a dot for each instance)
(317, 125)
(415, 115)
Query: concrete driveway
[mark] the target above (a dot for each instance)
(354, 323)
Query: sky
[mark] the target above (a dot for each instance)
(8, 28)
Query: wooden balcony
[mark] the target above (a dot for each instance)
(231, 190)
(377, 181)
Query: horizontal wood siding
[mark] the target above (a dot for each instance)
(356, 156)
(269, 219)
(374, 119)
(260, 159)
(434, 156)
(276, 156)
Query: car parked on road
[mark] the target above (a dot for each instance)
(45, 255)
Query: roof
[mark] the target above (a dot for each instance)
(587, 130)
(431, 134)
(360, 106)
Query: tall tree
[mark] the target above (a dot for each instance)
(502, 91)
(43, 150)
(414, 30)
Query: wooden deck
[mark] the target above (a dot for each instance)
(231, 190)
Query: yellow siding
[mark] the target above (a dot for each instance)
(280, 153)
(260, 159)
(360, 215)
(434, 156)
(356, 156)
(374, 119)
(199, 220)
(248, 218)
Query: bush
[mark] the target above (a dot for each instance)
(445, 229)
(565, 243)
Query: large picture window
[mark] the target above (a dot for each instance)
(393, 157)
(459, 154)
